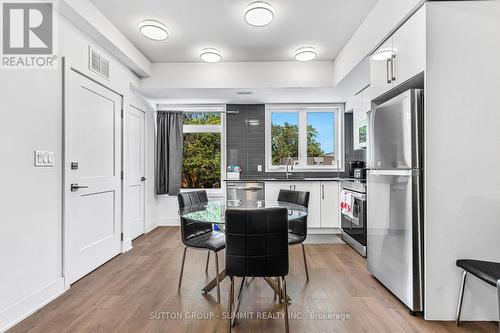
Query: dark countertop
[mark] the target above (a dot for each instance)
(306, 179)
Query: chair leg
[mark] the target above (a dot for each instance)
(208, 259)
(285, 303)
(498, 291)
(182, 267)
(460, 298)
(230, 303)
(280, 294)
(305, 261)
(217, 276)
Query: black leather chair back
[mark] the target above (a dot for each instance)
(257, 242)
(298, 226)
(190, 229)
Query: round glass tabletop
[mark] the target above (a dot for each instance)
(214, 211)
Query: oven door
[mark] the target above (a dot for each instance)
(356, 226)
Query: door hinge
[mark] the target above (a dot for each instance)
(121, 236)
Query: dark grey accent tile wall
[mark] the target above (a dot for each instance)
(245, 142)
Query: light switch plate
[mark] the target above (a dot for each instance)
(44, 158)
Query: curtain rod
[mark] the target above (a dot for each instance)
(204, 111)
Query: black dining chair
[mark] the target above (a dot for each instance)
(256, 246)
(487, 271)
(198, 235)
(297, 229)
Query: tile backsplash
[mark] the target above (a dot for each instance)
(245, 142)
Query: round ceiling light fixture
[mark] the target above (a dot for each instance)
(154, 30)
(211, 55)
(259, 14)
(305, 54)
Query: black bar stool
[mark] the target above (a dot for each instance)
(487, 271)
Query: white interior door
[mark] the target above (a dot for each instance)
(135, 171)
(93, 162)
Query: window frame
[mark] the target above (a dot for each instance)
(303, 110)
(205, 108)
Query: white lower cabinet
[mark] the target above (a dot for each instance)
(314, 216)
(330, 211)
(323, 200)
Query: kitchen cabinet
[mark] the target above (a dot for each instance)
(330, 211)
(323, 200)
(314, 215)
(401, 57)
(360, 119)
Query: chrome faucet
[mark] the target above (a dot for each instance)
(288, 173)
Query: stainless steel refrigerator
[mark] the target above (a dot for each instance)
(394, 196)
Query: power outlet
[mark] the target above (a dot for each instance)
(259, 168)
(44, 158)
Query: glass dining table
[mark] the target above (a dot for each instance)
(213, 212)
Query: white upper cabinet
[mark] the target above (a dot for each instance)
(380, 68)
(408, 44)
(401, 57)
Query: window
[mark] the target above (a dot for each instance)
(202, 160)
(309, 137)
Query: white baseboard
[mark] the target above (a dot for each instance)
(323, 239)
(126, 245)
(167, 222)
(150, 226)
(23, 308)
(324, 231)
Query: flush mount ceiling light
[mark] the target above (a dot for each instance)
(154, 30)
(383, 54)
(305, 54)
(210, 55)
(259, 14)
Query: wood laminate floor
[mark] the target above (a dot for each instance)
(137, 292)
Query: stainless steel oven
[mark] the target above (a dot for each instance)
(354, 228)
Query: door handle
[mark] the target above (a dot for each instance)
(393, 67)
(143, 179)
(322, 191)
(75, 187)
(388, 67)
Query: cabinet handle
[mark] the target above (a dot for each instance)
(322, 191)
(393, 67)
(388, 67)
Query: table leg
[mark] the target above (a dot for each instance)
(276, 289)
(212, 284)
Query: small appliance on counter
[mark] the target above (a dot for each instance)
(233, 172)
(360, 173)
(352, 166)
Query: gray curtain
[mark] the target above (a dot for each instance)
(169, 140)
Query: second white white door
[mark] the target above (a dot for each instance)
(135, 171)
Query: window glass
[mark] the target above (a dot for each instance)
(201, 165)
(284, 138)
(202, 118)
(320, 138)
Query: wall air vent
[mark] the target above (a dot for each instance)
(98, 64)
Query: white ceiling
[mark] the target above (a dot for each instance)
(197, 24)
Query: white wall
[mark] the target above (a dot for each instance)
(378, 25)
(462, 201)
(30, 199)
(241, 75)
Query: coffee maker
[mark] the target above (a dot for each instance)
(356, 169)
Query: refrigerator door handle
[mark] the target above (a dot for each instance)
(395, 172)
